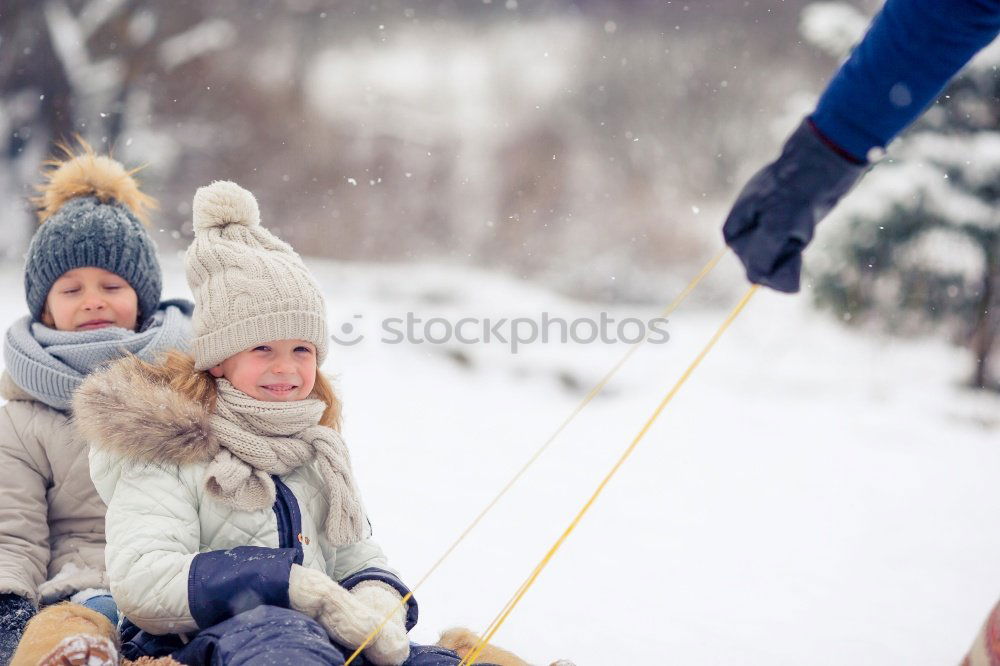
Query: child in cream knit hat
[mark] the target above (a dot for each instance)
(233, 509)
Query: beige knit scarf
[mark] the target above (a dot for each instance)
(261, 438)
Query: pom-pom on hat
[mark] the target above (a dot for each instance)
(249, 286)
(90, 209)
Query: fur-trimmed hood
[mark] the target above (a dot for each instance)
(128, 410)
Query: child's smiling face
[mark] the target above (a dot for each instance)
(89, 298)
(279, 370)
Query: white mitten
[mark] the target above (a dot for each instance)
(392, 646)
(344, 616)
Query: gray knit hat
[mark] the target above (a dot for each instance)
(249, 286)
(90, 208)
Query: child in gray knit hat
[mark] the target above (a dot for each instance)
(92, 283)
(235, 525)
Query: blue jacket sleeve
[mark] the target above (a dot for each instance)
(911, 50)
(224, 583)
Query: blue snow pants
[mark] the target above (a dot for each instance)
(273, 636)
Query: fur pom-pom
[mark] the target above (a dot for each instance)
(224, 202)
(89, 174)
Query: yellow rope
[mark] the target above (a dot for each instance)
(537, 454)
(470, 658)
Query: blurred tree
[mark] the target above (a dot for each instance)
(568, 141)
(69, 67)
(916, 247)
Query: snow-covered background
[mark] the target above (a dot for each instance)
(812, 496)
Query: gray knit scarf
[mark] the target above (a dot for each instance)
(261, 438)
(49, 364)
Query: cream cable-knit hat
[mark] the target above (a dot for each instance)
(249, 286)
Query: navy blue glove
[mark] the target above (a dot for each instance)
(15, 611)
(774, 217)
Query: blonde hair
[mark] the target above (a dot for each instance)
(176, 369)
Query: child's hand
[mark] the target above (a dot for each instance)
(346, 619)
(392, 646)
(349, 617)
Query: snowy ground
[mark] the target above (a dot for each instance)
(813, 495)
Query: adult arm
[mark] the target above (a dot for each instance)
(910, 51)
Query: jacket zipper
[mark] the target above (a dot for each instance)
(286, 510)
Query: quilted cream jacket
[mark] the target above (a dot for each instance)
(178, 560)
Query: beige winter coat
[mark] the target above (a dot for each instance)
(51, 517)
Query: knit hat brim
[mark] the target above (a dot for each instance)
(215, 347)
